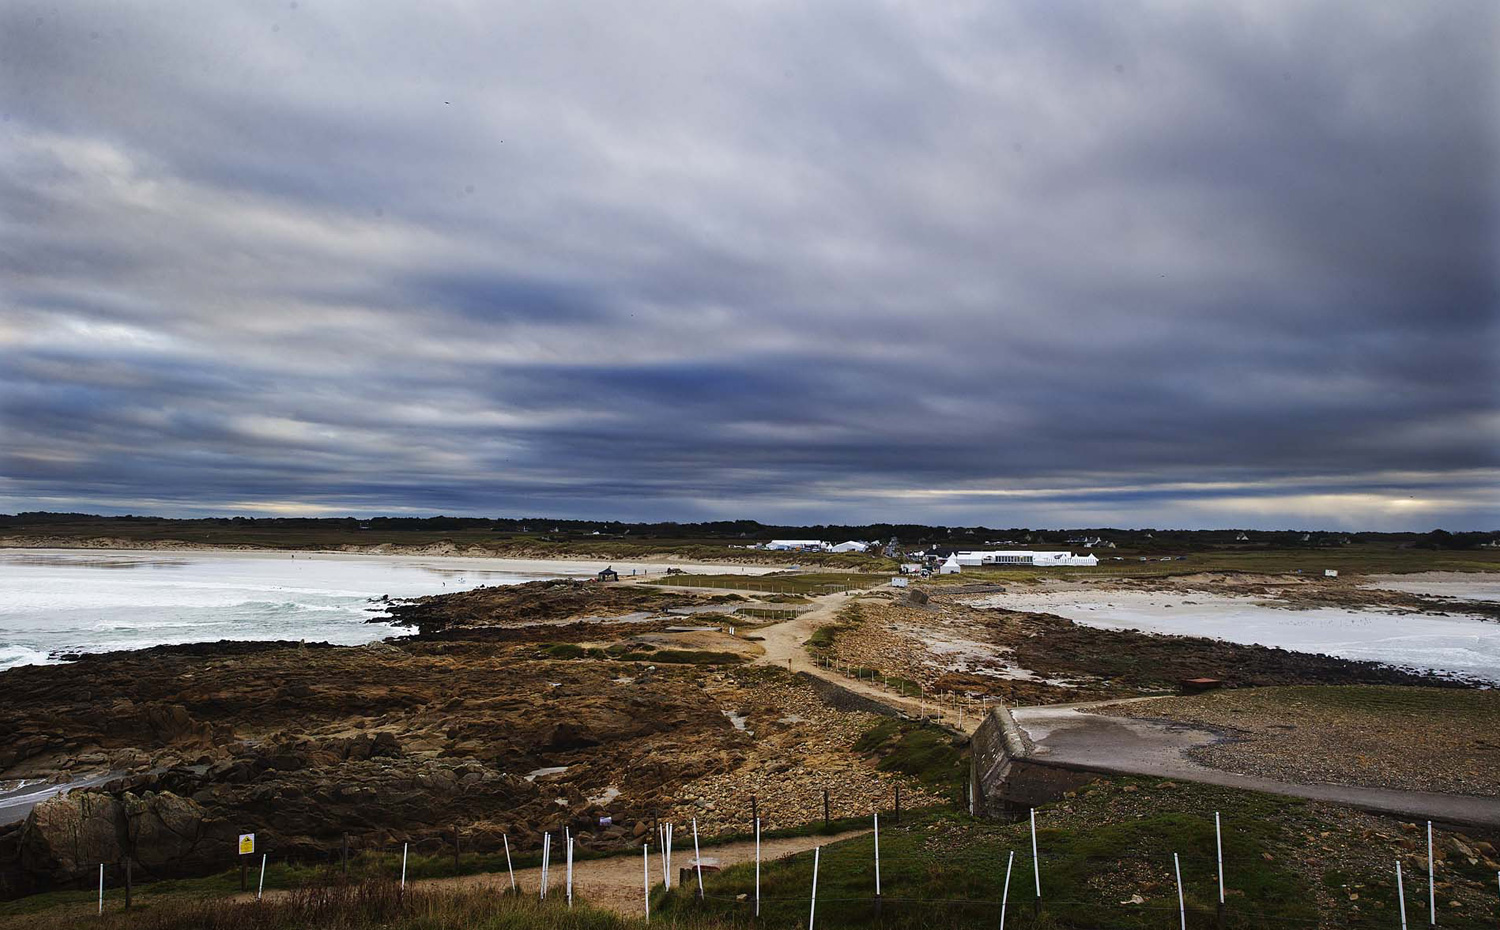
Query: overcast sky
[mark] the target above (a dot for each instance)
(1113, 263)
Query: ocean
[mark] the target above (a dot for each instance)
(55, 602)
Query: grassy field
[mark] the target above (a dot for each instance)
(780, 582)
(1105, 863)
(345, 534)
(353, 907)
(1350, 560)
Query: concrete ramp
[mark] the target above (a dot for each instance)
(1068, 737)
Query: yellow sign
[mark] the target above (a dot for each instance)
(247, 843)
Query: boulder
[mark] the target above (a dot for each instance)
(171, 724)
(68, 835)
(166, 832)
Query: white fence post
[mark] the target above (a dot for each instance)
(813, 910)
(757, 867)
(1181, 902)
(1401, 894)
(646, 877)
(1431, 880)
(1036, 863)
(1005, 895)
(101, 889)
(877, 854)
(546, 851)
(697, 859)
(508, 867)
(570, 871)
(403, 865)
(262, 886)
(1219, 850)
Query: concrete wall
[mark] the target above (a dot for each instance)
(841, 698)
(1006, 780)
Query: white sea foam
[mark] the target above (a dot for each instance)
(56, 602)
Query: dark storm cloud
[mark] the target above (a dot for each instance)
(1128, 263)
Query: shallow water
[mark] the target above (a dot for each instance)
(1458, 586)
(1462, 646)
(63, 601)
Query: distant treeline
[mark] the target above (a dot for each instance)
(736, 531)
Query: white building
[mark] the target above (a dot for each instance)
(1025, 557)
(797, 545)
(950, 567)
(853, 545)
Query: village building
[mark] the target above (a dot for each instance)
(1024, 557)
(853, 545)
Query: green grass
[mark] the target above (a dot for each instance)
(824, 636)
(1347, 560)
(928, 754)
(947, 871)
(363, 905)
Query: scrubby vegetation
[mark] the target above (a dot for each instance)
(931, 755)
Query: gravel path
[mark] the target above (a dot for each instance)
(783, 643)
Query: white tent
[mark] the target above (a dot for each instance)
(950, 567)
(853, 545)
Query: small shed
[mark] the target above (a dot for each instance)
(609, 574)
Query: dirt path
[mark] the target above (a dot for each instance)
(783, 643)
(616, 882)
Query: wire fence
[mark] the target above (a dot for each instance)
(1028, 885)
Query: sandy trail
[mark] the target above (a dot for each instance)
(616, 883)
(783, 643)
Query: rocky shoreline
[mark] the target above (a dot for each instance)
(514, 711)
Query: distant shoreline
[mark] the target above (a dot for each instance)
(470, 557)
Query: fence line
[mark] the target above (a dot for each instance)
(887, 872)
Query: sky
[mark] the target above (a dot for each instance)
(1117, 263)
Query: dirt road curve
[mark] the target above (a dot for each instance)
(784, 641)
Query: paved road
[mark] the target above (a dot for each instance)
(1132, 746)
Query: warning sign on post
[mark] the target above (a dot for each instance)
(247, 843)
